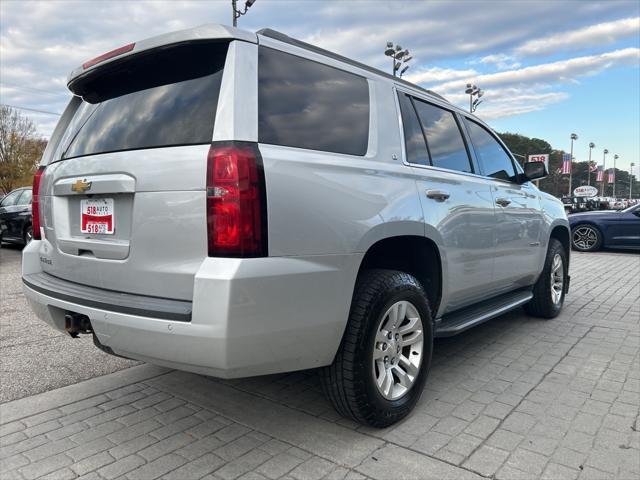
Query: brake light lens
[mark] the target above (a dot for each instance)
(35, 204)
(236, 201)
(108, 55)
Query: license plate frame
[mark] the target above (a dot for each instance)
(97, 216)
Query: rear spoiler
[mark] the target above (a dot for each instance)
(203, 32)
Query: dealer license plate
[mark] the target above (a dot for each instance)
(96, 216)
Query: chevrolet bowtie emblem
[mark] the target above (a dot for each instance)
(80, 186)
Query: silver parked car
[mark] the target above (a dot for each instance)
(239, 204)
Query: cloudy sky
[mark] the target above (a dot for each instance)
(549, 68)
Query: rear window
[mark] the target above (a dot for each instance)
(309, 105)
(162, 98)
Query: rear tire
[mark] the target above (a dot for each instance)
(376, 381)
(550, 289)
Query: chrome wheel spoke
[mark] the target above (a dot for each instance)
(403, 377)
(411, 324)
(410, 339)
(378, 353)
(382, 336)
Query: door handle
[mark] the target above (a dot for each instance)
(440, 195)
(503, 202)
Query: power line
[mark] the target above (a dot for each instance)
(30, 109)
(29, 88)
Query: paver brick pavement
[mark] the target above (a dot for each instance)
(517, 397)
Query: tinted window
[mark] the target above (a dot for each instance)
(25, 198)
(493, 159)
(444, 139)
(168, 97)
(11, 198)
(309, 105)
(413, 137)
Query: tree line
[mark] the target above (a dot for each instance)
(556, 183)
(21, 149)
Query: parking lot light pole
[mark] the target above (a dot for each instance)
(615, 157)
(604, 170)
(237, 13)
(474, 91)
(591, 147)
(399, 58)
(631, 180)
(573, 137)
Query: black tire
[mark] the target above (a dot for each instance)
(595, 231)
(27, 236)
(349, 382)
(542, 304)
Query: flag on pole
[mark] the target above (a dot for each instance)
(612, 176)
(600, 177)
(592, 167)
(566, 164)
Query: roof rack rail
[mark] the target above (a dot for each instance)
(282, 37)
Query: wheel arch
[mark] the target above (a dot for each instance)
(562, 233)
(414, 254)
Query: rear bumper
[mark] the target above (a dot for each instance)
(249, 316)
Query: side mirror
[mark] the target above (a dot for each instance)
(534, 171)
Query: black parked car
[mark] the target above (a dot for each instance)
(15, 216)
(591, 231)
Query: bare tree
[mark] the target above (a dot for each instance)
(20, 149)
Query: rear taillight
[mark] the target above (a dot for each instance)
(236, 201)
(35, 204)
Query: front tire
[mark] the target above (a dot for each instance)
(586, 238)
(551, 288)
(383, 360)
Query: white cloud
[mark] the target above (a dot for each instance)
(69, 33)
(600, 34)
(561, 71)
(437, 74)
(501, 61)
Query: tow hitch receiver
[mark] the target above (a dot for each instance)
(76, 323)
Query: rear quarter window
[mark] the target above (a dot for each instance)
(161, 98)
(305, 104)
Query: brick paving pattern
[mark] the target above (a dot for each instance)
(515, 398)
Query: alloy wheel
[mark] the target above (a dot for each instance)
(398, 350)
(585, 237)
(557, 279)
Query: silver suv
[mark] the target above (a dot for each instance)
(238, 204)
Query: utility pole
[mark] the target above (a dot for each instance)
(237, 13)
(631, 180)
(615, 157)
(573, 137)
(604, 170)
(591, 147)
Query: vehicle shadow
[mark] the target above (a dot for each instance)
(456, 364)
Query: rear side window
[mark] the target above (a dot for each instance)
(415, 145)
(444, 138)
(309, 105)
(11, 199)
(165, 97)
(493, 159)
(25, 198)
